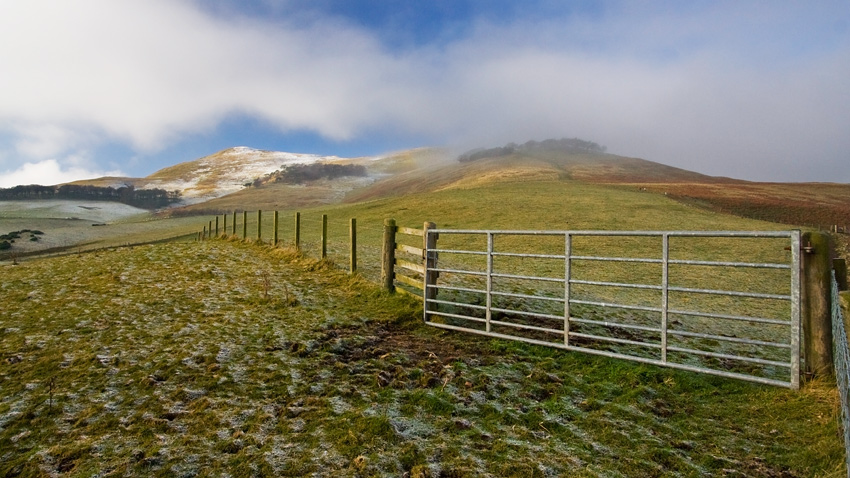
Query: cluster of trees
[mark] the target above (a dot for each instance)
(144, 198)
(566, 145)
(302, 173)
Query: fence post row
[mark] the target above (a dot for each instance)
(814, 288)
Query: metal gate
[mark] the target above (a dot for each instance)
(723, 303)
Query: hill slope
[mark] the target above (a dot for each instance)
(217, 183)
(811, 204)
(530, 167)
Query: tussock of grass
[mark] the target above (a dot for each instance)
(229, 358)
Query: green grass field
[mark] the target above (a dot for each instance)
(549, 205)
(230, 358)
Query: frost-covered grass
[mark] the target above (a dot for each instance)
(229, 359)
(76, 234)
(91, 211)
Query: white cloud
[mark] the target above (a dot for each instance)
(48, 173)
(724, 88)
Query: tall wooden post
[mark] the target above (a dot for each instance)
(244, 225)
(324, 236)
(210, 230)
(259, 225)
(298, 231)
(352, 232)
(205, 232)
(430, 259)
(224, 229)
(216, 226)
(275, 229)
(817, 303)
(234, 222)
(388, 256)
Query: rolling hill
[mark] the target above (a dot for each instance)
(228, 181)
(218, 182)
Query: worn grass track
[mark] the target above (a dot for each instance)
(223, 358)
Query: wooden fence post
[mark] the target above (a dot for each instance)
(298, 231)
(352, 232)
(388, 256)
(324, 236)
(259, 225)
(199, 237)
(234, 222)
(275, 228)
(430, 243)
(244, 225)
(216, 226)
(205, 232)
(840, 268)
(210, 230)
(224, 229)
(817, 303)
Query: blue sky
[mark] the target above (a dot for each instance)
(750, 89)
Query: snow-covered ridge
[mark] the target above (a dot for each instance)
(225, 172)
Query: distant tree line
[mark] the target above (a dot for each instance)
(302, 173)
(566, 145)
(143, 198)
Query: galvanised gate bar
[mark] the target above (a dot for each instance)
(723, 303)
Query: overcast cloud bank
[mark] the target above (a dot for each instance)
(742, 89)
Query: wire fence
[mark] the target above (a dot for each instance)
(841, 355)
(325, 236)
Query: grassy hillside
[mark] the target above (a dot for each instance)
(228, 358)
(553, 205)
(528, 167)
(428, 170)
(789, 203)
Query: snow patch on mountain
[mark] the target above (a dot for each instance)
(226, 172)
